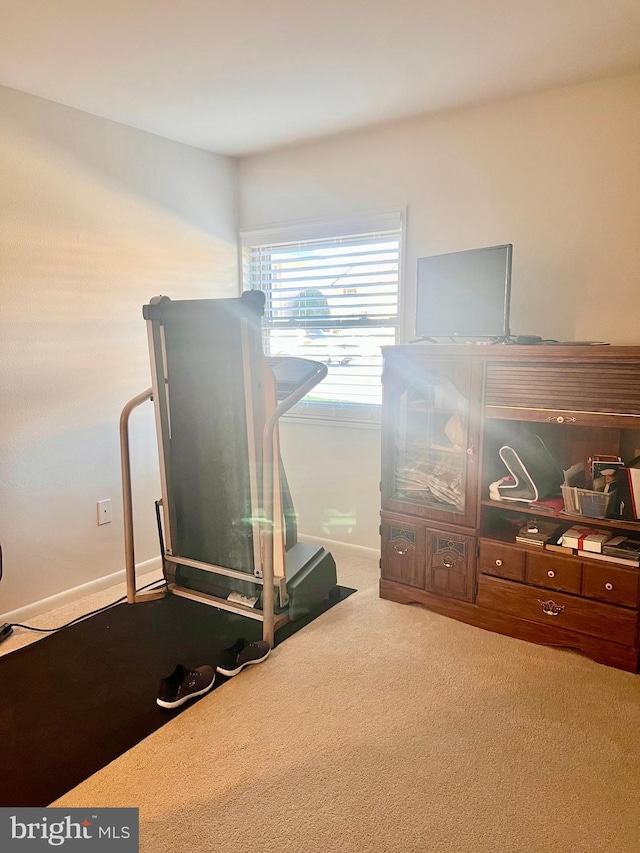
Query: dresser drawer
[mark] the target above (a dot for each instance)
(553, 572)
(610, 583)
(503, 561)
(558, 610)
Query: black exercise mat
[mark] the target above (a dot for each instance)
(76, 700)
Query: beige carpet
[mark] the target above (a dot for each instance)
(383, 727)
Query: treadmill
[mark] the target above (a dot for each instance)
(227, 525)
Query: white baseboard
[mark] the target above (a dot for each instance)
(45, 605)
(342, 547)
(77, 592)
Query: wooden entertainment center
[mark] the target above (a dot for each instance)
(447, 410)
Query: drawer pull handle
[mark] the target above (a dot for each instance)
(608, 586)
(400, 549)
(551, 573)
(449, 562)
(498, 563)
(551, 608)
(562, 419)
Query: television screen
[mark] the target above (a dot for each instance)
(464, 294)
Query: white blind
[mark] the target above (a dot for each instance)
(332, 299)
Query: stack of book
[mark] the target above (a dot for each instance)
(623, 550)
(579, 539)
(597, 545)
(538, 532)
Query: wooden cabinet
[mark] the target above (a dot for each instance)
(430, 464)
(426, 559)
(447, 410)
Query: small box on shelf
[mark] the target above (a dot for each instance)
(585, 539)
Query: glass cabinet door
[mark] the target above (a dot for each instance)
(432, 448)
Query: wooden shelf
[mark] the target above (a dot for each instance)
(466, 562)
(617, 523)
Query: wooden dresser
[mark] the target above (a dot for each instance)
(447, 411)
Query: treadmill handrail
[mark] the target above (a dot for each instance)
(268, 497)
(268, 596)
(127, 500)
(304, 388)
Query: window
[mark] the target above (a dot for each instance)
(332, 296)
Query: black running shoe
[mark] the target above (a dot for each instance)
(184, 684)
(242, 654)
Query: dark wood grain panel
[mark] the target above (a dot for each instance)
(577, 614)
(554, 572)
(403, 552)
(555, 416)
(451, 565)
(603, 388)
(501, 560)
(614, 584)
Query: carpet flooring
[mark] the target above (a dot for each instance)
(77, 699)
(385, 728)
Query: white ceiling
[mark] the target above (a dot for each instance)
(240, 76)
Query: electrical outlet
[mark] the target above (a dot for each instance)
(104, 511)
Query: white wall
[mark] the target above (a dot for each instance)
(95, 219)
(557, 174)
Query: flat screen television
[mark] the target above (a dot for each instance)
(465, 294)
